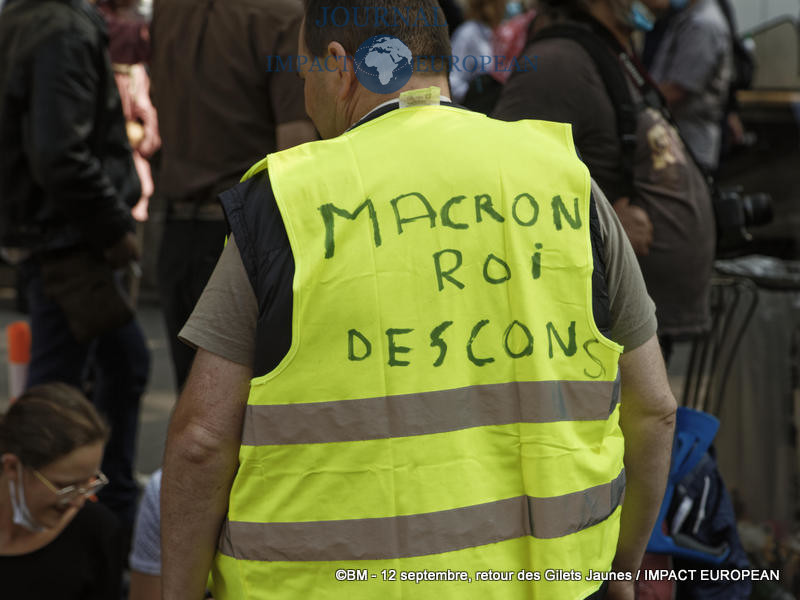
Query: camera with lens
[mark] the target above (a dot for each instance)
(734, 212)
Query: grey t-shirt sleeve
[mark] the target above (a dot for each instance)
(691, 55)
(633, 313)
(224, 319)
(145, 554)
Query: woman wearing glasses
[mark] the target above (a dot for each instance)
(53, 543)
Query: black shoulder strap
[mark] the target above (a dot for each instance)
(744, 65)
(615, 83)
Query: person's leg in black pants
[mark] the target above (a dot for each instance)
(120, 360)
(189, 252)
(55, 353)
(122, 365)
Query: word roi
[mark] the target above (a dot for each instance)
(370, 16)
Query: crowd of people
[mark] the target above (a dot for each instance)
(314, 430)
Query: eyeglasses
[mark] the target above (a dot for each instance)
(71, 492)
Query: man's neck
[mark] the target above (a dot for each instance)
(366, 103)
(387, 107)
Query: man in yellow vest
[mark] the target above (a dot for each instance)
(427, 363)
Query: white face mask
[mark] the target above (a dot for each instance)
(21, 514)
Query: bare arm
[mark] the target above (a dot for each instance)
(647, 419)
(145, 587)
(200, 462)
(637, 225)
(673, 93)
(295, 133)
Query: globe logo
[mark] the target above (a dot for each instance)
(383, 64)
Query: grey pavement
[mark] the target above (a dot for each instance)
(158, 400)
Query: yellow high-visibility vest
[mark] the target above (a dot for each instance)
(445, 423)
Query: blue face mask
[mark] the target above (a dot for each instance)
(513, 9)
(640, 16)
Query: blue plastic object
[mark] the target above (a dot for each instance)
(694, 432)
(640, 17)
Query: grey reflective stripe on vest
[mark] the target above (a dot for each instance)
(423, 534)
(429, 412)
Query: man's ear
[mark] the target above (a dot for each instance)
(345, 69)
(10, 465)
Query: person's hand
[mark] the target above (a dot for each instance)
(135, 133)
(140, 210)
(735, 128)
(125, 250)
(620, 590)
(637, 225)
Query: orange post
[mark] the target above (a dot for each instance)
(18, 335)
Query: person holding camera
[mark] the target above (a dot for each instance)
(588, 75)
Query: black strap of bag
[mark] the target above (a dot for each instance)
(615, 84)
(614, 63)
(743, 64)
